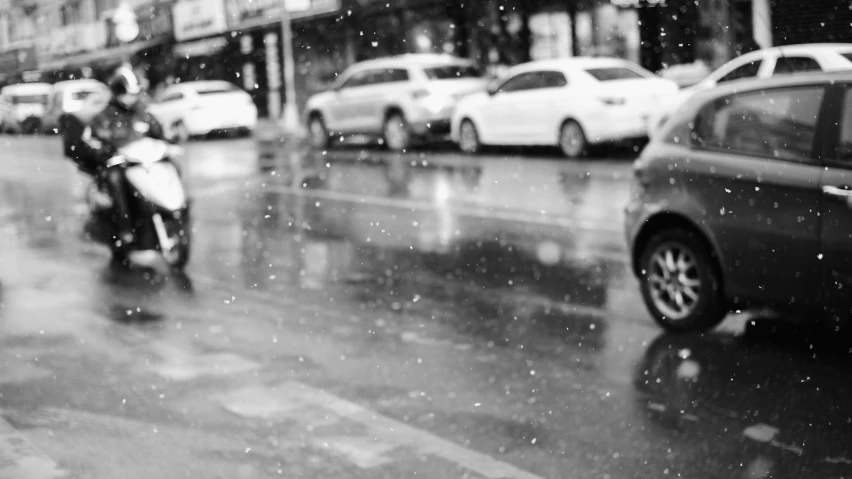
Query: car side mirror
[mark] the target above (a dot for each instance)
(492, 89)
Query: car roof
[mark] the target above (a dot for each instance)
(413, 59)
(574, 63)
(85, 82)
(810, 48)
(27, 88)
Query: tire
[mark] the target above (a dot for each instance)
(31, 126)
(572, 139)
(395, 132)
(673, 264)
(469, 138)
(183, 250)
(180, 130)
(319, 135)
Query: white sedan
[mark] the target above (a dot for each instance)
(570, 103)
(201, 107)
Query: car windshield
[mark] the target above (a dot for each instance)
(451, 72)
(426, 239)
(614, 73)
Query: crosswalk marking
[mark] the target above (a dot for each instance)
(382, 434)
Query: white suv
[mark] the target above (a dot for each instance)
(396, 98)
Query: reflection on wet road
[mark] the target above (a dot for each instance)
(479, 308)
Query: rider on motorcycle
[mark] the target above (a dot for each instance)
(123, 121)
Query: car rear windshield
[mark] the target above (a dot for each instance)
(81, 94)
(847, 56)
(449, 72)
(614, 73)
(29, 99)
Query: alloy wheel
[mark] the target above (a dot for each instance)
(674, 281)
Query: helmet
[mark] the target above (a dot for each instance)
(125, 86)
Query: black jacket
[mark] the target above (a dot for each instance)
(90, 146)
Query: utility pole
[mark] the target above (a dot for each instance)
(290, 118)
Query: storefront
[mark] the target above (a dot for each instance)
(200, 52)
(814, 21)
(16, 61)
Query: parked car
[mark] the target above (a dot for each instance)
(745, 199)
(569, 103)
(399, 99)
(765, 63)
(22, 107)
(200, 107)
(70, 97)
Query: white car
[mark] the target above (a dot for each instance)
(200, 107)
(22, 107)
(397, 98)
(765, 63)
(570, 103)
(69, 97)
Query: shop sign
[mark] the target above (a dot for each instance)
(18, 59)
(154, 20)
(198, 18)
(71, 39)
(200, 48)
(249, 13)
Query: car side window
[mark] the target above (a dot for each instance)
(749, 70)
(357, 79)
(553, 79)
(844, 146)
(779, 124)
(522, 82)
(396, 75)
(171, 97)
(786, 65)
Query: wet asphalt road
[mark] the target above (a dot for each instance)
(469, 317)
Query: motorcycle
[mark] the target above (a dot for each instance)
(158, 203)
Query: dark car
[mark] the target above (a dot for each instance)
(744, 199)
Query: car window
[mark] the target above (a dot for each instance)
(614, 73)
(357, 79)
(844, 146)
(522, 82)
(81, 94)
(749, 70)
(553, 79)
(214, 89)
(450, 72)
(771, 124)
(796, 64)
(175, 96)
(389, 75)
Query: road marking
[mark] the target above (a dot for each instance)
(179, 365)
(294, 400)
(21, 459)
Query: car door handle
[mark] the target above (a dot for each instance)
(843, 191)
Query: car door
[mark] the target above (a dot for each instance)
(754, 173)
(168, 107)
(349, 110)
(547, 107)
(836, 227)
(506, 115)
(383, 88)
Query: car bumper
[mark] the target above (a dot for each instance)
(615, 127)
(201, 125)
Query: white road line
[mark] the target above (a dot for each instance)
(21, 459)
(290, 399)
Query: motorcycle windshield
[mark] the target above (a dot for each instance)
(144, 150)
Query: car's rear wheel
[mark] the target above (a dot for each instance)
(395, 132)
(469, 138)
(572, 139)
(680, 283)
(319, 135)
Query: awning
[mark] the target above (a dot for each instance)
(116, 54)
